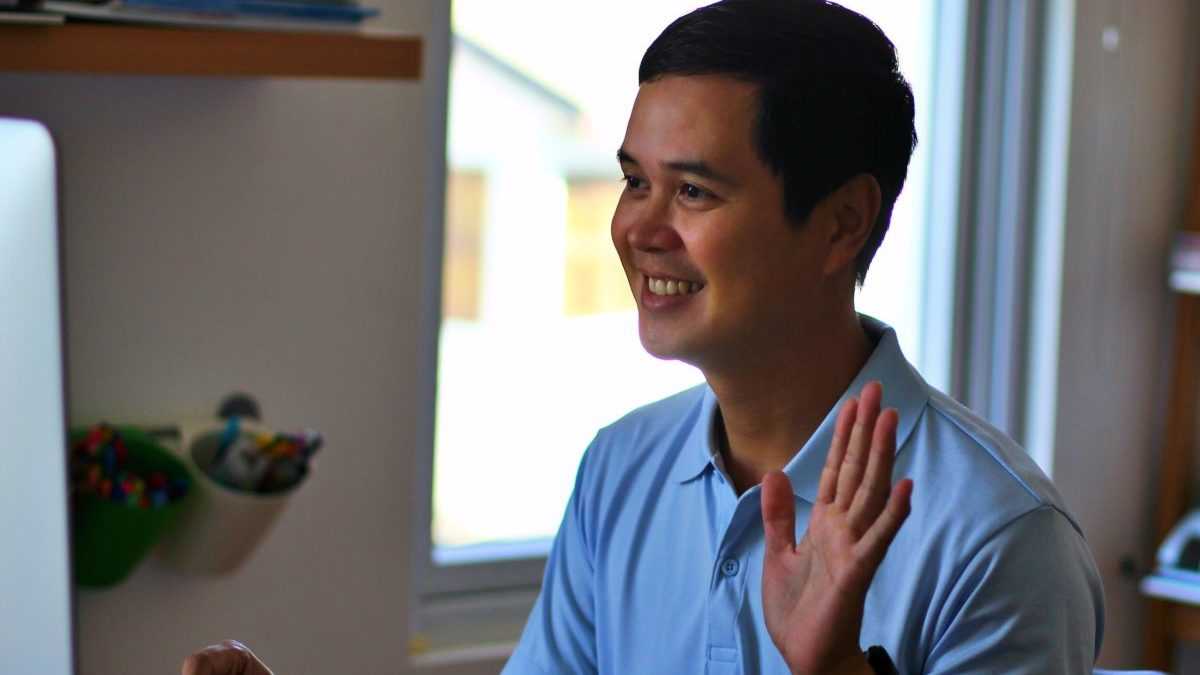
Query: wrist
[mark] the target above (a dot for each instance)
(851, 665)
(858, 666)
(880, 661)
(874, 661)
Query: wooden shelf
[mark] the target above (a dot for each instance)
(1169, 623)
(1184, 621)
(119, 49)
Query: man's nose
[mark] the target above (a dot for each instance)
(653, 228)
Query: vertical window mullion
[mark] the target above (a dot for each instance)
(991, 371)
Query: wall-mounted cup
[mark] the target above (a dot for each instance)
(220, 526)
(109, 538)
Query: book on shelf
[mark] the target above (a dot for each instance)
(1185, 262)
(29, 17)
(1173, 584)
(26, 11)
(255, 14)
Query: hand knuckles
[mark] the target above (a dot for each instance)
(199, 663)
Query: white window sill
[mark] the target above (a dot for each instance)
(482, 659)
(472, 633)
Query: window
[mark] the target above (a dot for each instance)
(537, 346)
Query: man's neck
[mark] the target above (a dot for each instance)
(772, 403)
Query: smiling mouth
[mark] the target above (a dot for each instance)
(663, 286)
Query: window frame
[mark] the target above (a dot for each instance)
(499, 589)
(447, 597)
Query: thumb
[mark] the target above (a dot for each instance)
(778, 513)
(228, 658)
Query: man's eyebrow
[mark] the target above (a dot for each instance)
(697, 167)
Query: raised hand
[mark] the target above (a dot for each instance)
(813, 593)
(228, 658)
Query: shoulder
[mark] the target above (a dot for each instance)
(978, 495)
(659, 416)
(976, 492)
(991, 479)
(989, 548)
(629, 455)
(654, 428)
(1032, 584)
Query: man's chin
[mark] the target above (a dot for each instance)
(656, 346)
(666, 348)
(662, 356)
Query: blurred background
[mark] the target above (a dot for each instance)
(460, 327)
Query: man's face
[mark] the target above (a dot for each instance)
(718, 272)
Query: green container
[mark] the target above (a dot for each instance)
(109, 538)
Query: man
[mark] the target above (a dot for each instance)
(765, 150)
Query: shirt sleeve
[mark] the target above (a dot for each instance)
(1029, 601)
(560, 635)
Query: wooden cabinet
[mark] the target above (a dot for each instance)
(1169, 622)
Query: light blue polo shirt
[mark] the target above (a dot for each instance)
(657, 566)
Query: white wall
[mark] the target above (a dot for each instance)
(1131, 125)
(263, 235)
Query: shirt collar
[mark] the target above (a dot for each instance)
(700, 448)
(903, 389)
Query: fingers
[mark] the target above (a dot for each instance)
(879, 536)
(872, 493)
(852, 467)
(837, 450)
(228, 658)
(778, 513)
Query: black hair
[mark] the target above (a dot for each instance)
(832, 103)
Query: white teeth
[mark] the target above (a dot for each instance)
(672, 286)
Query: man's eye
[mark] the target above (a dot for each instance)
(692, 192)
(632, 182)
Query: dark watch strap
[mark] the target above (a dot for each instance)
(880, 662)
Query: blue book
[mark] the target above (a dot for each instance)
(305, 10)
(298, 9)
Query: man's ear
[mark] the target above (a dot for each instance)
(853, 209)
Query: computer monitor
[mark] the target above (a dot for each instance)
(36, 601)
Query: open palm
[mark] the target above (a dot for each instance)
(813, 593)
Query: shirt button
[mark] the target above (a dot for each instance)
(730, 567)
